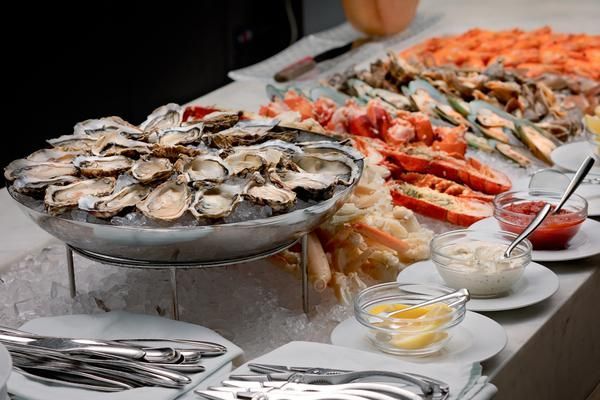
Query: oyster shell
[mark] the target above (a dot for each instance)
(217, 201)
(102, 126)
(202, 168)
(490, 119)
(58, 199)
(316, 185)
(33, 184)
(108, 206)
(178, 135)
(151, 169)
(219, 120)
(102, 166)
(244, 161)
(279, 199)
(116, 144)
(173, 152)
(82, 143)
(244, 136)
(167, 116)
(166, 202)
(53, 155)
(24, 168)
(337, 165)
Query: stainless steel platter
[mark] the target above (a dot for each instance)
(194, 244)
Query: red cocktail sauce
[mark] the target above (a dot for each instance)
(554, 233)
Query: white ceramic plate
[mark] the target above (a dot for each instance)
(475, 339)
(590, 192)
(585, 244)
(569, 156)
(537, 284)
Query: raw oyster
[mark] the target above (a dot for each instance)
(166, 202)
(490, 119)
(219, 120)
(102, 166)
(60, 198)
(24, 168)
(102, 126)
(316, 185)
(337, 165)
(244, 136)
(202, 168)
(151, 169)
(244, 161)
(173, 152)
(167, 116)
(74, 142)
(53, 155)
(178, 135)
(108, 206)
(217, 201)
(32, 184)
(279, 199)
(114, 144)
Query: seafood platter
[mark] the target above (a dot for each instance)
(186, 185)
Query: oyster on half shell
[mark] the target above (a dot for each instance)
(58, 199)
(116, 144)
(53, 155)
(111, 205)
(265, 193)
(217, 201)
(102, 166)
(30, 176)
(177, 135)
(167, 116)
(219, 120)
(79, 143)
(204, 167)
(147, 170)
(102, 126)
(167, 202)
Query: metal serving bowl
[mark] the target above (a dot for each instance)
(202, 245)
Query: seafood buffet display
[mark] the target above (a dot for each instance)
(176, 165)
(535, 52)
(431, 173)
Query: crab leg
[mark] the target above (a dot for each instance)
(380, 237)
(319, 271)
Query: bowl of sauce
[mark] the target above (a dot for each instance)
(475, 260)
(515, 210)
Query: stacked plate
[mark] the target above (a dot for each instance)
(5, 368)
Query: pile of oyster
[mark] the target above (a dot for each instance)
(172, 166)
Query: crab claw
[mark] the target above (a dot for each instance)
(381, 237)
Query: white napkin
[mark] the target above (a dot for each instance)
(119, 325)
(466, 381)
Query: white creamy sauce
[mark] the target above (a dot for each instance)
(481, 268)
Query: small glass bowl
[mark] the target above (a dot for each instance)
(484, 280)
(408, 333)
(556, 231)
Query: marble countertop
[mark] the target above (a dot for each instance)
(553, 349)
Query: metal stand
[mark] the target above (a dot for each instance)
(173, 267)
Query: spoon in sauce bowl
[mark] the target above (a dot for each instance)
(579, 176)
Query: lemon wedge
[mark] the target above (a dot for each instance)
(411, 323)
(415, 342)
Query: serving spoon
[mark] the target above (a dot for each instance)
(579, 176)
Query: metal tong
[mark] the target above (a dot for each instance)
(273, 380)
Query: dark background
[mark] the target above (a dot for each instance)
(65, 63)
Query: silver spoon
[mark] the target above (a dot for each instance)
(579, 176)
(460, 293)
(537, 221)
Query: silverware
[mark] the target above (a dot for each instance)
(532, 226)
(460, 294)
(581, 173)
(206, 349)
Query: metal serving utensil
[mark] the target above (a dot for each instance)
(532, 226)
(581, 173)
(458, 294)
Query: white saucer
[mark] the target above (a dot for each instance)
(590, 192)
(537, 284)
(570, 156)
(585, 244)
(475, 339)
